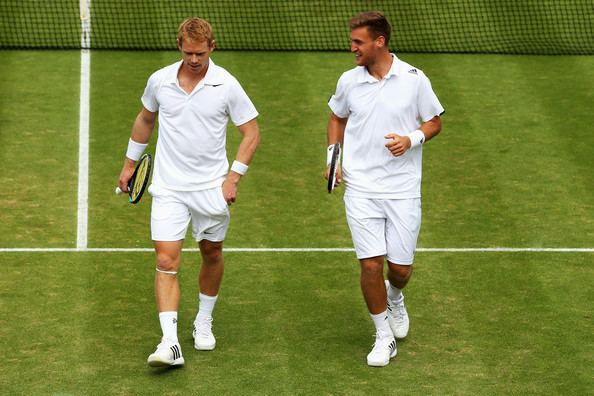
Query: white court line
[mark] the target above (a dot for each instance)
(298, 250)
(83, 150)
(83, 128)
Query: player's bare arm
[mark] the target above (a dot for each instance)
(141, 133)
(336, 127)
(245, 153)
(399, 144)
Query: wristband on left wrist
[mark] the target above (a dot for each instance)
(417, 138)
(239, 167)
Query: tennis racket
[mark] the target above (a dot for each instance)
(139, 180)
(334, 164)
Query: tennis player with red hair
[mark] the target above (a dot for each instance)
(193, 99)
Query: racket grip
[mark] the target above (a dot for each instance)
(118, 191)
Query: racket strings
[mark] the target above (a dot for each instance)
(139, 180)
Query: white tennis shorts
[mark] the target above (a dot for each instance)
(172, 211)
(384, 227)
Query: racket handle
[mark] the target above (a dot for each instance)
(118, 191)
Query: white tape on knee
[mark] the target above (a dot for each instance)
(166, 272)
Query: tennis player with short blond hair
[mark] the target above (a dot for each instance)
(193, 100)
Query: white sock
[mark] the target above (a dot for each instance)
(169, 325)
(206, 306)
(381, 324)
(394, 293)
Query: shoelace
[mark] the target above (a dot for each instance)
(376, 336)
(398, 311)
(204, 327)
(164, 346)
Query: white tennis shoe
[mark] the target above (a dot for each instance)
(168, 353)
(204, 340)
(383, 350)
(397, 316)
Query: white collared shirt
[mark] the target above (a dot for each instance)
(399, 103)
(190, 153)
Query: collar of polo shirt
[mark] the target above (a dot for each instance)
(212, 76)
(364, 75)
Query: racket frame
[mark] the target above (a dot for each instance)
(132, 183)
(334, 163)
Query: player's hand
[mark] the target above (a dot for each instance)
(126, 174)
(397, 144)
(338, 175)
(229, 191)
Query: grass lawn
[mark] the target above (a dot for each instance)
(512, 167)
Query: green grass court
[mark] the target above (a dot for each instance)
(513, 167)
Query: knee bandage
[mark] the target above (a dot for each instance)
(166, 272)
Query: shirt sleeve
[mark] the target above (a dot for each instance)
(149, 97)
(338, 102)
(428, 104)
(239, 106)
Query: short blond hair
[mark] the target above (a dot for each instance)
(194, 29)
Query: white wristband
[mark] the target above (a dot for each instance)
(239, 167)
(135, 150)
(416, 138)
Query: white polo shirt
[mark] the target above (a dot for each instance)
(399, 103)
(191, 154)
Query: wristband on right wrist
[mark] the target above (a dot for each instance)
(135, 150)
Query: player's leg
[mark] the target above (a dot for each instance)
(167, 293)
(209, 283)
(166, 281)
(212, 268)
(402, 231)
(367, 228)
(372, 284)
(374, 293)
(210, 220)
(398, 276)
(169, 221)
